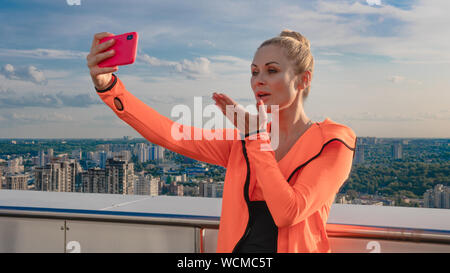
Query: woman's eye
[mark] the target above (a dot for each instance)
(254, 73)
(272, 71)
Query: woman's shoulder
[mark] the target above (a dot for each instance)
(331, 130)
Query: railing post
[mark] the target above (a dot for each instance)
(199, 237)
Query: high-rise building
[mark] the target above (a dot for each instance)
(181, 178)
(35, 160)
(124, 155)
(397, 151)
(94, 181)
(359, 154)
(103, 147)
(50, 154)
(59, 175)
(77, 154)
(175, 189)
(102, 159)
(2, 178)
(446, 197)
(142, 152)
(17, 181)
(145, 184)
(142, 184)
(15, 166)
(428, 199)
(154, 186)
(156, 153)
(41, 158)
(438, 197)
(211, 189)
(119, 176)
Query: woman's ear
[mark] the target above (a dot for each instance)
(306, 79)
(303, 80)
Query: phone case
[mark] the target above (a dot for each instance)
(125, 49)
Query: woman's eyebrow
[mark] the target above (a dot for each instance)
(267, 63)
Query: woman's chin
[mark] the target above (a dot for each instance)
(268, 108)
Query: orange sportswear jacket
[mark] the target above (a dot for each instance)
(298, 190)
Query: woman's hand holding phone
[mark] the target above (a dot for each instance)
(101, 76)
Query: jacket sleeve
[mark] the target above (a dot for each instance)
(317, 183)
(211, 146)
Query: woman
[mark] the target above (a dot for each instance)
(273, 200)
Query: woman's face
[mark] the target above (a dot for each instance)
(273, 74)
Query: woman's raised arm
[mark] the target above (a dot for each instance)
(164, 132)
(211, 146)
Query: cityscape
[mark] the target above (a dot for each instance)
(385, 171)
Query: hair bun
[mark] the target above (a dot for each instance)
(297, 36)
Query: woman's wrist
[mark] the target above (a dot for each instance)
(110, 85)
(258, 134)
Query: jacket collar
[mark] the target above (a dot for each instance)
(312, 141)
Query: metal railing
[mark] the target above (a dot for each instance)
(93, 230)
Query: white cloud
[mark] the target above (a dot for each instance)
(202, 67)
(415, 35)
(26, 73)
(10, 99)
(400, 79)
(42, 53)
(198, 68)
(374, 2)
(397, 79)
(23, 118)
(396, 117)
(201, 43)
(230, 65)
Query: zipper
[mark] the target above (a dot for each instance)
(247, 200)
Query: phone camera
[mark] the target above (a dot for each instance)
(130, 37)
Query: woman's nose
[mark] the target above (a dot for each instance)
(260, 80)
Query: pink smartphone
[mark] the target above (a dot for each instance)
(125, 49)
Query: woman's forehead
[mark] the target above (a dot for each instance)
(268, 54)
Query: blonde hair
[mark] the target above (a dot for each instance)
(298, 49)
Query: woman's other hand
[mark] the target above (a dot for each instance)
(101, 76)
(242, 119)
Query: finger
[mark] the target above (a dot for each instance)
(220, 104)
(262, 114)
(98, 37)
(103, 46)
(215, 97)
(104, 70)
(100, 57)
(227, 99)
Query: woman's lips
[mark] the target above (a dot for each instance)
(264, 97)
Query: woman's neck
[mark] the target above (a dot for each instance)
(292, 121)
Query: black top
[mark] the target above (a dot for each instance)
(262, 233)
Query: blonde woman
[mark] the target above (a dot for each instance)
(273, 200)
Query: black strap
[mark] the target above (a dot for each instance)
(252, 133)
(110, 87)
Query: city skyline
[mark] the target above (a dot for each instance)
(391, 165)
(380, 66)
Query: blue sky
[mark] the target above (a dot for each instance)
(381, 66)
